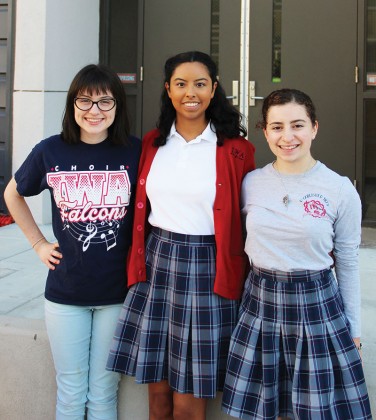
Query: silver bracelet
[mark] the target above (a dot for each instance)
(37, 242)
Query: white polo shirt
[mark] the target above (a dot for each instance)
(181, 184)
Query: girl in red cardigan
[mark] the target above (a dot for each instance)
(187, 264)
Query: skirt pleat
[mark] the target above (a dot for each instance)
(173, 327)
(292, 354)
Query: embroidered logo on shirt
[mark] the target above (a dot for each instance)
(238, 154)
(315, 208)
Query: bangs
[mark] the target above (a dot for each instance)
(92, 84)
(95, 89)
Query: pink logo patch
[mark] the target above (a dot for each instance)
(315, 208)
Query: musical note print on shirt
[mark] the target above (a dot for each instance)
(92, 204)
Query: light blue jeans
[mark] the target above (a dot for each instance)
(80, 338)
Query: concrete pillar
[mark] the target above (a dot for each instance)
(54, 39)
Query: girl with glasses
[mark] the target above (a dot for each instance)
(90, 171)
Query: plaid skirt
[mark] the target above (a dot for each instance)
(173, 327)
(291, 353)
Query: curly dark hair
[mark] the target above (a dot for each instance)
(225, 118)
(99, 79)
(285, 96)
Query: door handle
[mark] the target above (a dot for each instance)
(235, 93)
(252, 94)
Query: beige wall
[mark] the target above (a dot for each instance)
(27, 384)
(54, 39)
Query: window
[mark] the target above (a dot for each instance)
(371, 45)
(277, 41)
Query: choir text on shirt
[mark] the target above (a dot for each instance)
(91, 168)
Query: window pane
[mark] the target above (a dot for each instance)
(277, 40)
(370, 159)
(214, 36)
(371, 45)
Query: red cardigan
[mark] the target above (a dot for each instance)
(233, 160)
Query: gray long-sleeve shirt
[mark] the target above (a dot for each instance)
(323, 215)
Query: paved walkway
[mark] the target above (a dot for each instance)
(22, 280)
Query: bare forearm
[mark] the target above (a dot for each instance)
(21, 213)
(49, 253)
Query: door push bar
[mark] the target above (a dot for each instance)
(235, 93)
(252, 93)
(251, 96)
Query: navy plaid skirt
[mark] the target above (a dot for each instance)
(173, 327)
(292, 354)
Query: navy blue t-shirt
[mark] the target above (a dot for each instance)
(92, 190)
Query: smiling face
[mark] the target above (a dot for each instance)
(190, 90)
(94, 123)
(289, 133)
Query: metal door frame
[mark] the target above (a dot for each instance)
(104, 42)
(244, 59)
(359, 143)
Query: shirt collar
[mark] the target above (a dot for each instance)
(208, 134)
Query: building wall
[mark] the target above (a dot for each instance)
(28, 389)
(53, 40)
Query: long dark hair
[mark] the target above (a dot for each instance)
(96, 78)
(285, 96)
(222, 115)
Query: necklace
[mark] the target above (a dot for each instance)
(286, 199)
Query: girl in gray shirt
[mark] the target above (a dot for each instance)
(296, 349)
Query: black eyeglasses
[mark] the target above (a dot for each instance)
(84, 104)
